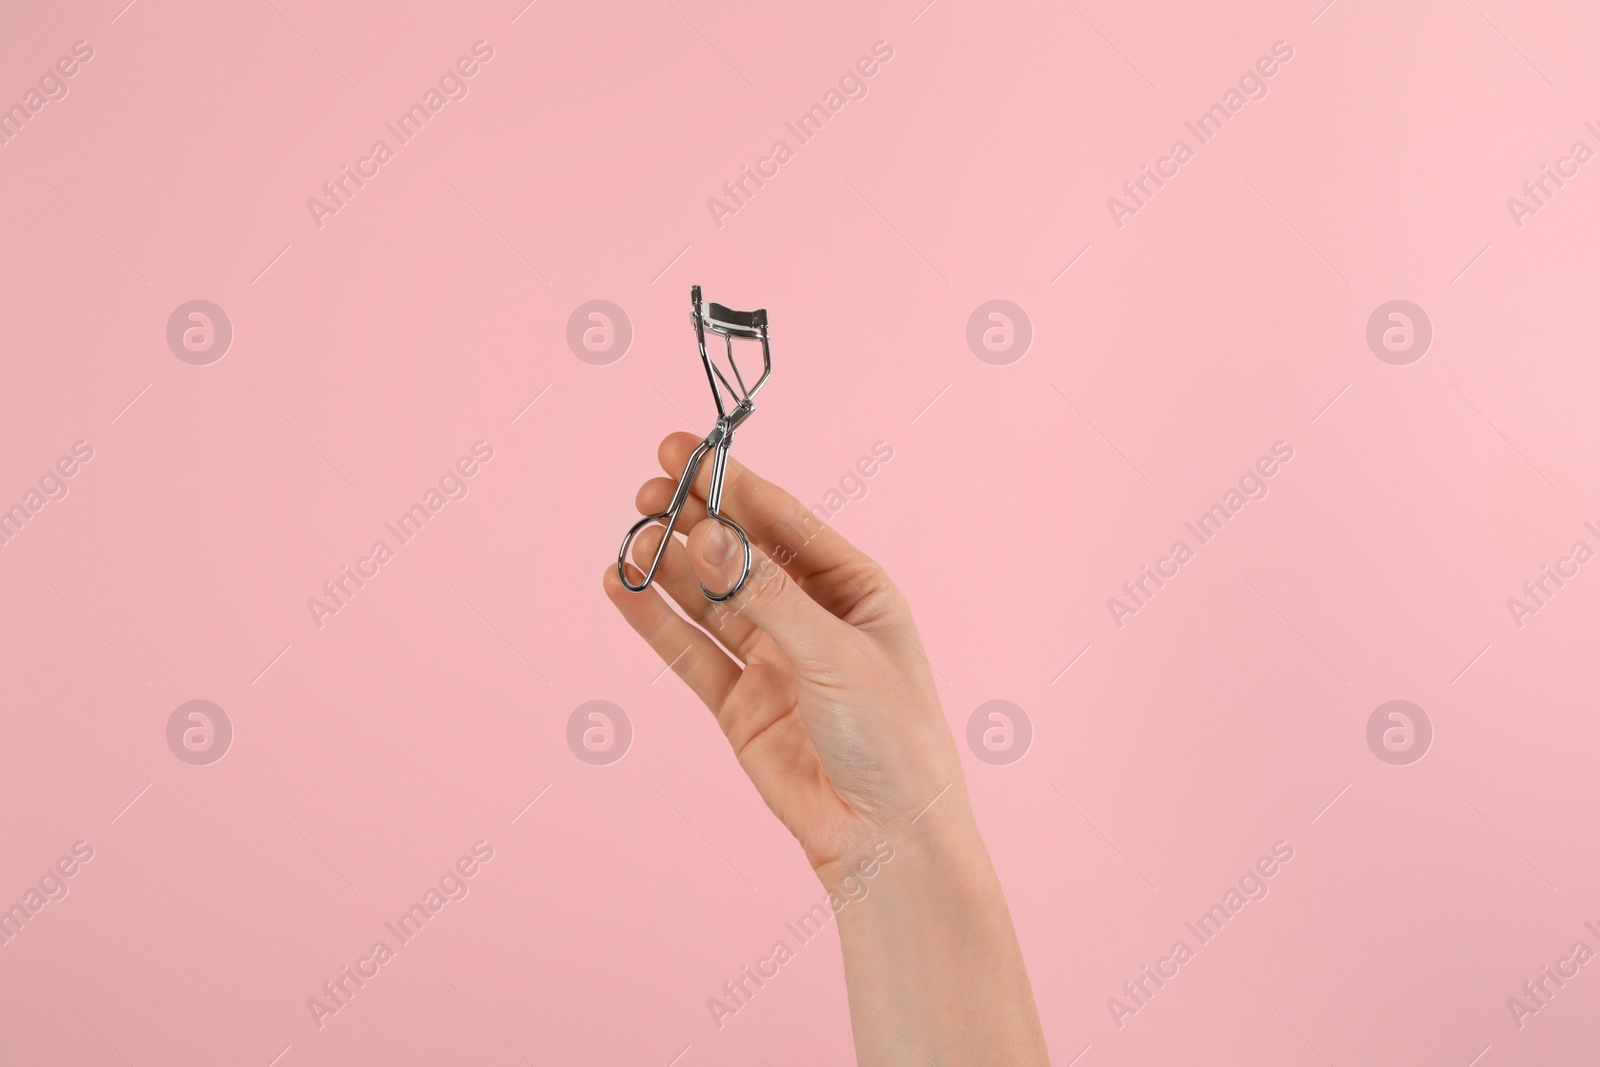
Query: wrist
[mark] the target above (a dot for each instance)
(934, 864)
(932, 965)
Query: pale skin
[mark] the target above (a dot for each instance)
(817, 677)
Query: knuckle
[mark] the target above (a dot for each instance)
(769, 584)
(685, 663)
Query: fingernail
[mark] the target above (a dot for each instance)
(719, 545)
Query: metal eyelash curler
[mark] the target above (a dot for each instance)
(749, 325)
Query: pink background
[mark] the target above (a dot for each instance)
(1227, 314)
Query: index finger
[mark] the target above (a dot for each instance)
(836, 574)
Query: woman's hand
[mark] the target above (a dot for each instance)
(819, 681)
(833, 713)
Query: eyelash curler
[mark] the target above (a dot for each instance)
(740, 402)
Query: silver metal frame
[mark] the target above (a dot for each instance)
(748, 325)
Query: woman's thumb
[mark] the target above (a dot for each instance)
(803, 630)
